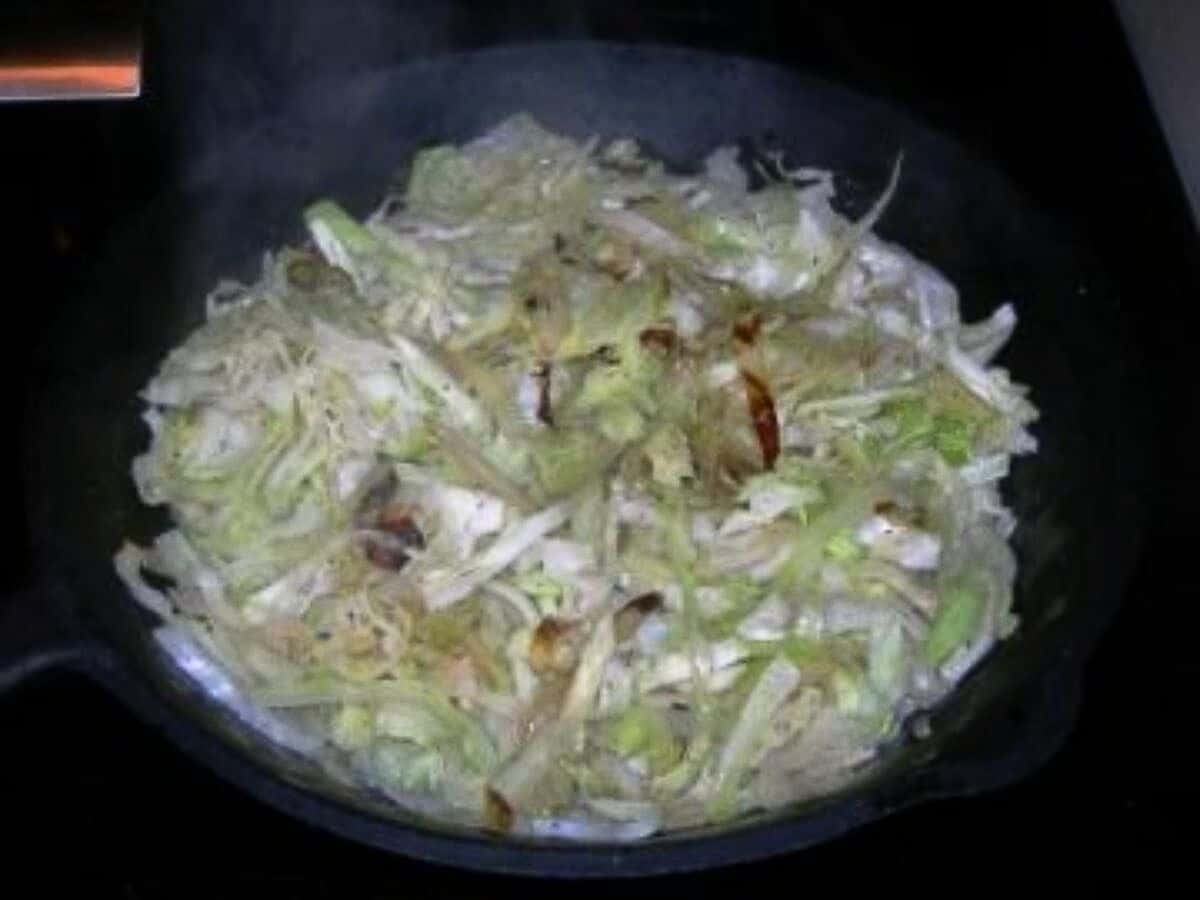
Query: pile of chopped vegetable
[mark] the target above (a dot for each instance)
(571, 496)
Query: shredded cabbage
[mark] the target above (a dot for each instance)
(576, 498)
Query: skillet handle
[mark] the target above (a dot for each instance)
(37, 634)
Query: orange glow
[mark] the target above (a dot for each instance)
(103, 78)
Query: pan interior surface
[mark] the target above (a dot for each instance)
(346, 138)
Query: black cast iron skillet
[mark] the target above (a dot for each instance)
(1078, 499)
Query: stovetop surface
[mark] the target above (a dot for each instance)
(1049, 91)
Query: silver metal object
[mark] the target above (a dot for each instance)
(1164, 36)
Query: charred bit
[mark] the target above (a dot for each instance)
(630, 617)
(550, 647)
(658, 339)
(762, 416)
(399, 535)
(747, 330)
(498, 813)
(545, 413)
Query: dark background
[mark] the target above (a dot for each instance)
(1048, 91)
